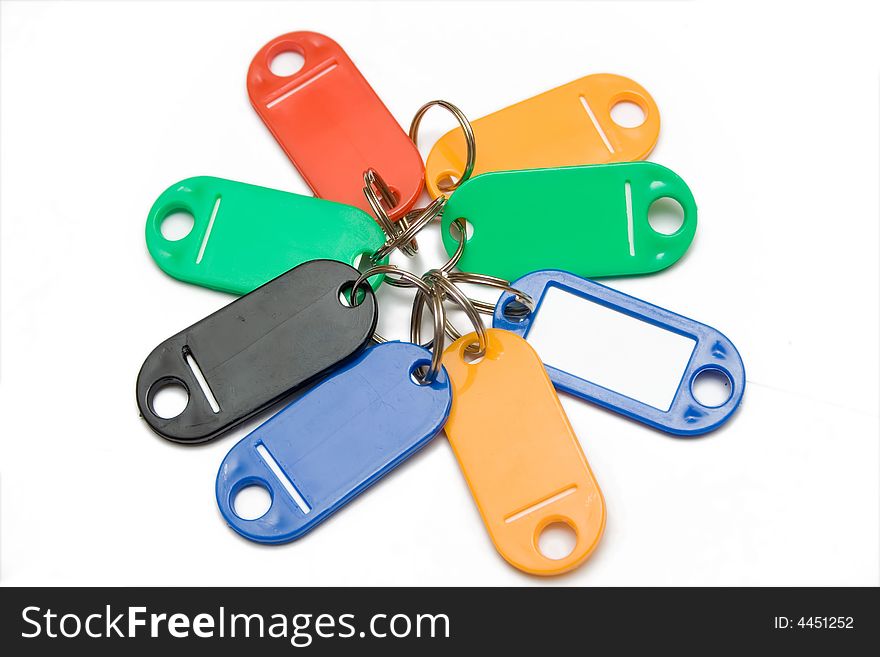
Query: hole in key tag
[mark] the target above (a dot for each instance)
(519, 453)
(590, 220)
(335, 441)
(244, 235)
(628, 355)
(570, 125)
(256, 350)
(331, 123)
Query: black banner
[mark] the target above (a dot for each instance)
(436, 621)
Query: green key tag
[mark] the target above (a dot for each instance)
(244, 236)
(588, 220)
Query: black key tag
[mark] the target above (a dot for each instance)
(255, 351)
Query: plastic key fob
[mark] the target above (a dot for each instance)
(589, 220)
(256, 350)
(519, 454)
(566, 126)
(702, 350)
(335, 441)
(244, 235)
(331, 123)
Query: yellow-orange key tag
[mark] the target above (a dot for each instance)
(566, 126)
(519, 454)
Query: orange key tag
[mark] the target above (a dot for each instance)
(331, 123)
(566, 126)
(519, 454)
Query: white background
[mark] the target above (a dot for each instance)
(769, 111)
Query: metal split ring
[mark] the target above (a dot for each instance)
(415, 220)
(525, 301)
(377, 191)
(469, 138)
(449, 289)
(414, 281)
(437, 342)
(426, 376)
(445, 269)
(453, 261)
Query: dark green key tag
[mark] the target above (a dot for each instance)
(591, 221)
(244, 235)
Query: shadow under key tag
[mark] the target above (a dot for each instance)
(519, 454)
(257, 350)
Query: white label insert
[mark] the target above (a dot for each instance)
(609, 348)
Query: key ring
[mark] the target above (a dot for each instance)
(417, 308)
(453, 261)
(450, 290)
(376, 190)
(524, 300)
(447, 266)
(470, 140)
(374, 187)
(416, 220)
(445, 271)
(438, 311)
(437, 342)
(414, 281)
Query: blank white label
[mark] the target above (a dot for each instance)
(610, 348)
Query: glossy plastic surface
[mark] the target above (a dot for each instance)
(589, 220)
(335, 441)
(552, 129)
(244, 235)
(258, 349)
(686, 416)
(519, 454)
(331, 123)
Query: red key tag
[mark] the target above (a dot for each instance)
(331, 123)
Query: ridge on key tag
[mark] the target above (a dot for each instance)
(244, 235)
(617, 372)
(566, 126)
(335, 441)
(519, 454)
(590, 220)
(255, 351)
(331, 123)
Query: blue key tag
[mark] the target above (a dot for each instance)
(691, 352)
(332, 443)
